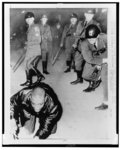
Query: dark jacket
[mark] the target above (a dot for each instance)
(81, 28)
(68, 36)
(48, 115)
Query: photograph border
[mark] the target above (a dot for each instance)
(117, 78)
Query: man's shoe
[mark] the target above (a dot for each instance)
(102, 107)
(67, 70)
(77, 81)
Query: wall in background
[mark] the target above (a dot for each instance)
(18, 25)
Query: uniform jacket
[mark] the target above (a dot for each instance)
(88, 50)
(33, 41)
(46, 34)
(51, 112)
(56, 35)
(68, 36)
(82, 25)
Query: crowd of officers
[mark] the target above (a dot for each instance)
(85, 48)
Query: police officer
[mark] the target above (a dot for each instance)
(56, 37)
(80, 36)
(68, 38)
(94, 51)
(33, 52)
(46, 41)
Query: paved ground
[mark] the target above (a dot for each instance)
(80, 121)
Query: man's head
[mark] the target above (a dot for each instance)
(73, 19)
(29, 18)
(92, 32)
(38, 98)
(89, 14)
(44, 19)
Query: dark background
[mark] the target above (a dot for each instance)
(18, 26)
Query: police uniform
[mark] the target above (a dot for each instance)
(56, 38)
(92, 57)
(33, 52)
(68, 38)
(46, 43)
(93, 51)
(92, 60)
(79, 37)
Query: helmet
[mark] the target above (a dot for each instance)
(92, 31)
(29, 15)
(73, 15)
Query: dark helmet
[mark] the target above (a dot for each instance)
(73, 16)
(92, 31)
(29, 15)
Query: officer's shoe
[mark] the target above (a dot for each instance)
(102, 107)
(67, 70)
(27, 83)
(79, 80)
(96, 83)
(46, 72)
(89, 89)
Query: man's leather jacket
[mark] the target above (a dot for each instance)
(21, 109)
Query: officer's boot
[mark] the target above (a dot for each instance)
(96, 83)
(68, 63)
(44, 65)
(79, 78)
(28, 79)
(90, 87)
(39, 75)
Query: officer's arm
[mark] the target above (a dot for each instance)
(88, 55)
(51, 120)
(102, 53)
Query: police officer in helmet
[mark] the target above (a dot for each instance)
(94, 50)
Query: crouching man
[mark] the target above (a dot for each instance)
(35, 112)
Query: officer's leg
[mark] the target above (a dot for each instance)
(104, 77)
(79, 65)
(95, 80)
(68, 61)
(44, 61)
(35, 71)
(28, 74)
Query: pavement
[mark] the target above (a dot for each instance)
(80, 122)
